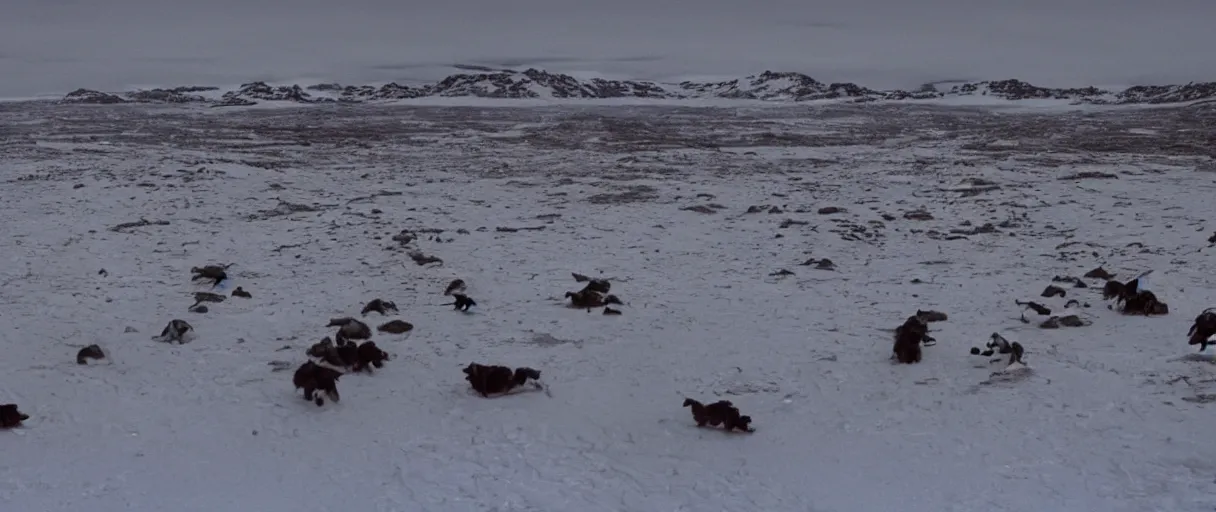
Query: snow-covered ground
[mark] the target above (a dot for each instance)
(1113, 417)
(55, 46)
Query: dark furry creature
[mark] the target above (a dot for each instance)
(721, 413)
(457, 285)
(396, 327)
(240, 292)
(1053, 291)
(588, 298)
(610, 311)
(368, 356)
(10, 417)
(1144, 303)
(1099, 273)
(351, 329)
(313, 377)
(489, 380)
(217, 273)
(1038, 308)
(932, 316)
(89, 352)
(327, 351)
(176, 331)
(463, 302)
(1000, 345)
(380, 306)
(1204, 328)
(909, 337)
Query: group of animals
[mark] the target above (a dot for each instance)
(320, 374)
(1130, 298)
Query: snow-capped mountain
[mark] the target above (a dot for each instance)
(539, 84)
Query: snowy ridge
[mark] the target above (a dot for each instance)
(538, 84)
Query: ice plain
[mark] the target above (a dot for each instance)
(304, 201)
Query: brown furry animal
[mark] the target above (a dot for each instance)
(488, 380)
(457, 285)
(1203, 328)
(10, 417)
(588, 298)
(931, 315)
(1144, 303)
(721, 413)
(396, 327)
(463, 302)
(1053, 291)
(313, 377)
(908, 339)
(369, 355)
(379, 306)
(351, 329)
(342, 355)
(89, 352)
(214, 272)
(176, 331)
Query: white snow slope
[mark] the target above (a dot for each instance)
(1113, 418)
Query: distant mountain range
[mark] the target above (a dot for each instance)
(534, 83)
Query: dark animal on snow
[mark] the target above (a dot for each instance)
(396, 327)
(214, 272)
(313, 377)
(463, 302)
(176, 330)
(342, 355)
(10, 417)
(1038, 308)
(721, 413)
(931, 315)
(1204, 328)
(240, 292)
(379, 306)
(610, 311)
(588, 298)
(457, 285)
(350, 328)
(89, 352)
(1144, 303)
(1099, 273)
(490, 380)
(908, 339)
(1053, 291)
(1000, 345)
(369, 355)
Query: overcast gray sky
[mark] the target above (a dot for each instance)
(51, 46)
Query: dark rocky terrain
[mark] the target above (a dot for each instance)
(534, 83)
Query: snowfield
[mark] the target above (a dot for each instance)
(304, 202)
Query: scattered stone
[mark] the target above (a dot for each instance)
(829, 210)
(781, 273)
(791, 222)
(1099, 273)
(918, 215)
(130, 329)
(200, 297)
